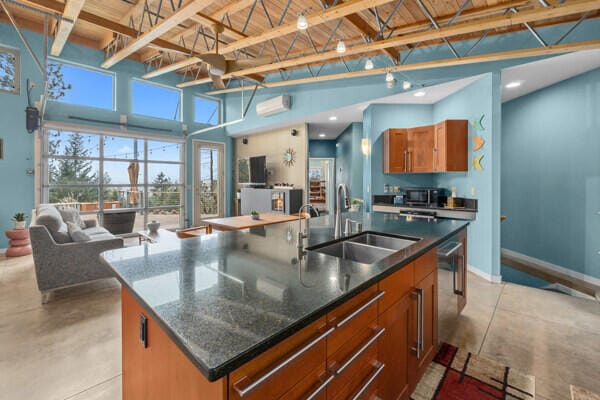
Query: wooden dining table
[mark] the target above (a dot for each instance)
(246, 221)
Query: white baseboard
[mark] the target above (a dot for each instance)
(484, 275)
(553, 267)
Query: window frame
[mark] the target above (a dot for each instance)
(112, 74)
(144, 184)
(219, 108)
(17, 54)
(160, 85)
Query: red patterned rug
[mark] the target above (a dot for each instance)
(456, 374)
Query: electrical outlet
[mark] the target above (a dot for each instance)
(473, 191)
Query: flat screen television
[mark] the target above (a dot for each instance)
(258, 170)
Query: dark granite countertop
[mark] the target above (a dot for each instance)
(208, 293)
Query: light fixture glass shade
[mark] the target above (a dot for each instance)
(365, 146)
(369, 64)
(302, 23)
(406, 85)
(390, 84)
(389, 77)
(216, 71)
(341, 47)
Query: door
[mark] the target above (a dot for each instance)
(420, 149)
(424, 327)
(439, 147)
(395, 152)
(394, 350)
(209, 180)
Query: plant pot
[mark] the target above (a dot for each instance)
(19, 224)
(255, 217)
(153, 226)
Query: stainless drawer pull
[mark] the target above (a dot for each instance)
(360, 351)
(321, 387)
(278, 367)
(360, 309)
(455, 246)
(419, 348)
(373, 376)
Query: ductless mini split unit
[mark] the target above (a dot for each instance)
(273, 106)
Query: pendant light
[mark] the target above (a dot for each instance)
(389, 77)
(406, 85)
(341, 47)
(369, 64)
(302, 23)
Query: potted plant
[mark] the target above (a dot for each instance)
(254, 214)
(19, 219)
(355, 205)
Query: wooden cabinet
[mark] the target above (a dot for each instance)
(450, 147)
(395, 151)
(420, 149)
(158, 370)
(434, 148)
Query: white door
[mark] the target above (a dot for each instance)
(209, 180)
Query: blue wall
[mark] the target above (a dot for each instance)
(349, 160)
(18, 188)
(551, 174)
(321, 148)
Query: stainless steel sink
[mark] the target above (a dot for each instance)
(384, 241)
(353, 251)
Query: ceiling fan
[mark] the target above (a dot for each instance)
(219, 66)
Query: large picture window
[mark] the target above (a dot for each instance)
(9, 70)
(207, 110)
(82, 86)
(156, 101)
(112, 174)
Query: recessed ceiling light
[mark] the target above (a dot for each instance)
(512, 85)
(369, 64)
(333, 118)
(302, 23)
(420, 93)
(341, 47)
(406, 85)
(322, 135)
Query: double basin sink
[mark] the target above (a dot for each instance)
(366, 248)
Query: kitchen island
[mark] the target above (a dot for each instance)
(249, 315)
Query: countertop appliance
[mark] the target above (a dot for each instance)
(451, 284)
(426, 197)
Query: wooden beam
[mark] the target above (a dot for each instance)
(172, 67)
(363, 26)
(134, 10)
(64, 28)
(209, 21)
(158, 30)
(451, 62)
(317, 18)
(503, 21)
(232, 8)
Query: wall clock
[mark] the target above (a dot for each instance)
(289, 157)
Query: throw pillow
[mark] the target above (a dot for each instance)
(52, 220)
(70, 214)
(77, 234)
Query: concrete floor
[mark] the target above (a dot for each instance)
(71, 347)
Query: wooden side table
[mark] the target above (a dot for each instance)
(19, 244)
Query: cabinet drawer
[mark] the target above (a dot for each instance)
(273, 373)
(353, 316)
(352, 379)
(396, 286)
(425, 264)
(313, 386)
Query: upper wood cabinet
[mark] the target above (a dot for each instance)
(434, 148)
(395, 151)
(450, 146)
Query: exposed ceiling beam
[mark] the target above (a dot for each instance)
(232, 8)
(451, 62)
(316, 18)
(172, 67)
(504, 21)
(363, 26)
(65, 26)
(207, 21)
(133, 11)
(158, 30)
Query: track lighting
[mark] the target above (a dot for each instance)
(369, 64)
(406, 85)
(302, 23)
(389, 77)
(390, 84)
(341, 47)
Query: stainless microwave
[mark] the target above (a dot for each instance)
(427, 197)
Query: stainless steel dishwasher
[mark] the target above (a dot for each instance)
(451, 271)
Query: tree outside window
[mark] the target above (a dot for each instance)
(9, 71)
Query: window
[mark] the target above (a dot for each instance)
(98, 173)
(156, 101)
(9, 70)
(72, 84)
(207, 111)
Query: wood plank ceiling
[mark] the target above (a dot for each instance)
(155, 32)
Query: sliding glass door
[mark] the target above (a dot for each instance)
(209, 176)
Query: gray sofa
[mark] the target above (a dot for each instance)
(60, 261)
